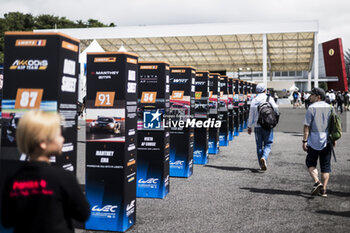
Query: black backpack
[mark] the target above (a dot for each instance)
(340, 98)
(268, 118)
(295, 95)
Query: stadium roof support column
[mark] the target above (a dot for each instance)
(264, 59)
(309, 81)
(316, 60)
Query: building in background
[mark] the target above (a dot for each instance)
(331, 70)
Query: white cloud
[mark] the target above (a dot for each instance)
(333, 15)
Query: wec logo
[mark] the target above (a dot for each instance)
(131, 205)
(177, 163)
(106, 208)
(197, 152)
(149, 181)
(130, 208)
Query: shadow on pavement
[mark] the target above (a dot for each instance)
(297, 135)
(335, 213)
(294, 133)
(234, 168)
(280, 192)
(336, 193)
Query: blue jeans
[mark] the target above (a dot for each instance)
(264, 140)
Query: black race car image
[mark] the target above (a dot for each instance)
(222, 104)
(212, 104)
(178, 109)
(106, 124)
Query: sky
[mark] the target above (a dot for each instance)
(333, 16)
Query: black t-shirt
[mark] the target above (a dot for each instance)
(41, 198)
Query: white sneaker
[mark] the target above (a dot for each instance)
(263, 164)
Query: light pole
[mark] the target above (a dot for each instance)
(239, 69)
(251, 73)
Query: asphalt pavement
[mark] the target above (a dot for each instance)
(230, 194)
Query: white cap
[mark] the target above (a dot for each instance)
(260, 88)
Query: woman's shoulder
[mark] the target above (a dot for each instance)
(57, 173)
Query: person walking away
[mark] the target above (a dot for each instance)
(307, 101)
(275, 98)
(340, 101)
(346, 101)
(295, 98)
(332, 97)
(302, 97)
(328, 100)
(40, 197)
(263, 137)
(315, 141)
(299, 99)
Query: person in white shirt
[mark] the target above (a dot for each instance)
(315, 141)
(263, 137)
(332, 97)
(347, 100)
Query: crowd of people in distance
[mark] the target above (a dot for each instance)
(338, 99)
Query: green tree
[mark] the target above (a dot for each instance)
(46, 22)
(2, 30)
(13, 21)
(17, 21)
(95, 23)
(80, 24)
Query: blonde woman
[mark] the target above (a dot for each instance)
(40, 197)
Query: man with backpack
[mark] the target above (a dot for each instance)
(263, 116)
(340, 101)
(316, 140)
(295, 99)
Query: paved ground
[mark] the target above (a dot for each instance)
(230, 195)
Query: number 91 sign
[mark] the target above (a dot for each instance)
(28, 98)
(104, 99)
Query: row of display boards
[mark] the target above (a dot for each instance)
(145, 121)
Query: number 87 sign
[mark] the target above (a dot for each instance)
(28, 98)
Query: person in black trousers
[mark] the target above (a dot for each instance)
(340, 101)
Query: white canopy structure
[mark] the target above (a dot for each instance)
(261, 46)
(93, 47)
